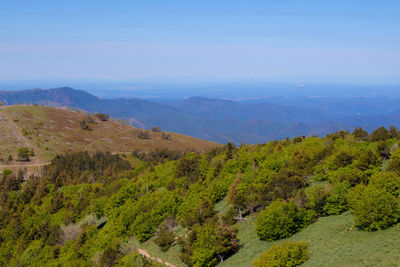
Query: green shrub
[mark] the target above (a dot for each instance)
(394, 165)
(208, 244)
(373, 208)
(336, 201)
(286, 254)
(164, 238)
(367, 160)
(389, 181)
(316, 198)
(6, 172)
(353, 176)
(24, 154)
(342, 159)
(282, 219)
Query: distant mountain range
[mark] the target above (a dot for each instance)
(223, 120)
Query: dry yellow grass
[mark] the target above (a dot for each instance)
(50, 131)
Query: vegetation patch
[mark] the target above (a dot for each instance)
(286, 254)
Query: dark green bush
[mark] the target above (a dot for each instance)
(287, 254)
(164, 238)
(282, 219)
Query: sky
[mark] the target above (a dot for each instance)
(281, 40)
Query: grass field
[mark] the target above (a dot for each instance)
(333, 241)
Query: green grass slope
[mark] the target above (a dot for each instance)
(333, 241)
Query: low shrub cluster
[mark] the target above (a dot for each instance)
(287, 254)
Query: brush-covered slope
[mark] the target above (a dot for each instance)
(50, 131)
(338, 195)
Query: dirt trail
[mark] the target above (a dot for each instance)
(23, 165)
(147, 255)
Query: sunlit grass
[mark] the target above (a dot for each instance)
(333, 241)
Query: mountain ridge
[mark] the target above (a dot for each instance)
(222, 120)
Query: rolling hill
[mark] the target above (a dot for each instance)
(50, 131)
(223, 121)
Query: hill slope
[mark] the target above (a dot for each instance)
(50, 131)
(340, 194)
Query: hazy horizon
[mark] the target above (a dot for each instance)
(355, 42)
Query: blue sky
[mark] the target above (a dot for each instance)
(123, 40)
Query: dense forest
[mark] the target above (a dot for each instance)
(95, 209)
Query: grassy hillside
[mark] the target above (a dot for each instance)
(50, 131)
(333, 240)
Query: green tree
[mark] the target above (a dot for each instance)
(379, 134)
(360, 134)
(394, 132)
